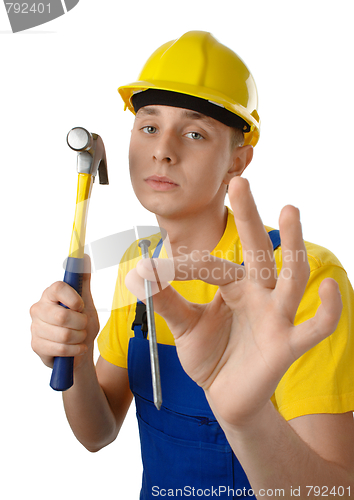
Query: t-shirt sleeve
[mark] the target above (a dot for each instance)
(114, 338)
(322, 380)
(112, 346)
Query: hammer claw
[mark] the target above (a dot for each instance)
(91, 156)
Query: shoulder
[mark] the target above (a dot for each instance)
(318, 256)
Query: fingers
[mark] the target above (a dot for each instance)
(177, 312)
(295, 270)
(195, 266)
(49, 341)
(256, 245)
(57, 331)
(157, 270)
(311, 332)
(54, 314)
(64, 293)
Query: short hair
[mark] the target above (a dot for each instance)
(237, 138)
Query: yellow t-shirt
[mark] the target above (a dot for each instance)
(321, 381)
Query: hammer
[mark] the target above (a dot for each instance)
(91, 159)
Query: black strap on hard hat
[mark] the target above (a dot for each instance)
(168, 98)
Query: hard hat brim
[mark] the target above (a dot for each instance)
(251, 137)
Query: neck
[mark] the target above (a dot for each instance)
(201, 231)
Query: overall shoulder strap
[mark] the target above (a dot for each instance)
(274, 236)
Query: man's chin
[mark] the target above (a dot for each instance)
(163, 210)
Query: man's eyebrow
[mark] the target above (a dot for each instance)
(186, 113)
(149, 110)
(195, 115)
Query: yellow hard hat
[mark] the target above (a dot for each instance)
(198, 69)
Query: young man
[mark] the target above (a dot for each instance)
(258, 391)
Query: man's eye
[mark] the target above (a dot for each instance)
(195, 135)
(149, 130)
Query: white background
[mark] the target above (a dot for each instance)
(65, 74)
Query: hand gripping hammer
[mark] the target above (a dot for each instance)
(91, 159)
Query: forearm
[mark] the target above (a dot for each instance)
(274, 458)
(87, 409)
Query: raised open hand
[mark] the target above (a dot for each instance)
(238, 347)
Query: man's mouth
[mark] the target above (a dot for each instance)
(161, 183)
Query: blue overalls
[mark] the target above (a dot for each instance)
(184, 450)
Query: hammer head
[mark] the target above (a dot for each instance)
(91, 156)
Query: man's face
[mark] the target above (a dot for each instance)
(179, 160)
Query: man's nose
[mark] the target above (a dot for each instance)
(166, 148)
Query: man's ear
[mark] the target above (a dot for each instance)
(241, 158)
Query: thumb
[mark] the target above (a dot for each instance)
(168, 303)
(86, 284)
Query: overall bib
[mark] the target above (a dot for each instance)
(184, 450)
